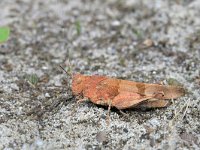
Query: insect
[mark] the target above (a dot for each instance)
(123, 94)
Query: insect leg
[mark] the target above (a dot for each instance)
(123, 113)
(82, 100)
(159, 95)
(108, 114)
(128, 100)
(154, 104)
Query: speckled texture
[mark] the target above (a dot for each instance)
(106, 37)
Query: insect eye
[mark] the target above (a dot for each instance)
(79, 80)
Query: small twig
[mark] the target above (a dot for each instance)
(186, 108)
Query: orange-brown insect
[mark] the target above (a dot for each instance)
(123, 94)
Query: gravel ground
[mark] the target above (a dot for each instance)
(147, 41)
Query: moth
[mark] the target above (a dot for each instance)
(123, 94)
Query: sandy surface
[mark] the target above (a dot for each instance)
(97, 37)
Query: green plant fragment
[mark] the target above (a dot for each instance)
(4, 34)
(32, 79)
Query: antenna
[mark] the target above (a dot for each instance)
(64, 70)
